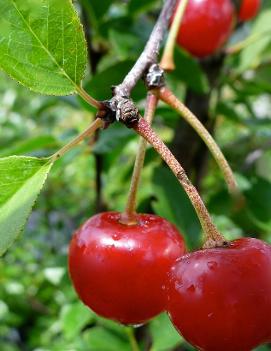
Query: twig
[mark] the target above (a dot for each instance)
(150, 52)
(98, 123)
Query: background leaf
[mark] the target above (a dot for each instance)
(30, 145)
(39, 309)
(164, 335)
(98, 7)
(173, 204)
(136, 6)
(42, 45)
(192, 74)
(21, 179)
(251, 55)
(100, 339)
(100, 84)
(73, 318)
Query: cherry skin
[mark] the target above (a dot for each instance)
(249, 9)
(119, 270)
(206, 26)
(220, 299)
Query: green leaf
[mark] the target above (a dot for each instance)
(263, 348)
(112, 138)
(226, 226)
(164, 336)
(263, 165)
(73, 318)
(137, 6)
(112, 326)
(99, 7)
(21, 179)
(125, 45)
(226, 109)
(173, 204)
(251, 55)
(54, 274)
(100, 339)
(30, 145)
(100, 84)
(42, 45)
(258, 203)
(189, 71)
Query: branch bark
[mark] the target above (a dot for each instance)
(150, 52)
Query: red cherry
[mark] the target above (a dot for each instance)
(249, 9)
(206, 26)
(220, 299)
(119, 270)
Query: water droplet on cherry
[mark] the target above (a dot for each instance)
(191, 288)
(212, 265)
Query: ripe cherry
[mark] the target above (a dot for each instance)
(119, 270)
(220, 298)
(249, 9)
(206, 26)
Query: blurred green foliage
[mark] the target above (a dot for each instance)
(38, 307)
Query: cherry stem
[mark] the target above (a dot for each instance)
(131, 336)
(235, 48)
(168, 97)
(89, 99)
(129, 215)
(98, 123)
(212, 237)
(167, 61)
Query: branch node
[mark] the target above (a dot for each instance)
(106, 113)
(126, 111)
(154, 78)
(121, 109)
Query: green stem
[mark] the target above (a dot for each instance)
(98, 123)
(131, 336)
(129, 215)
(235, 48)
(168, 97)
(89, 99)
(167, 61)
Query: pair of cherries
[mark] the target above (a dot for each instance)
(218, 299)
(207, 24)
